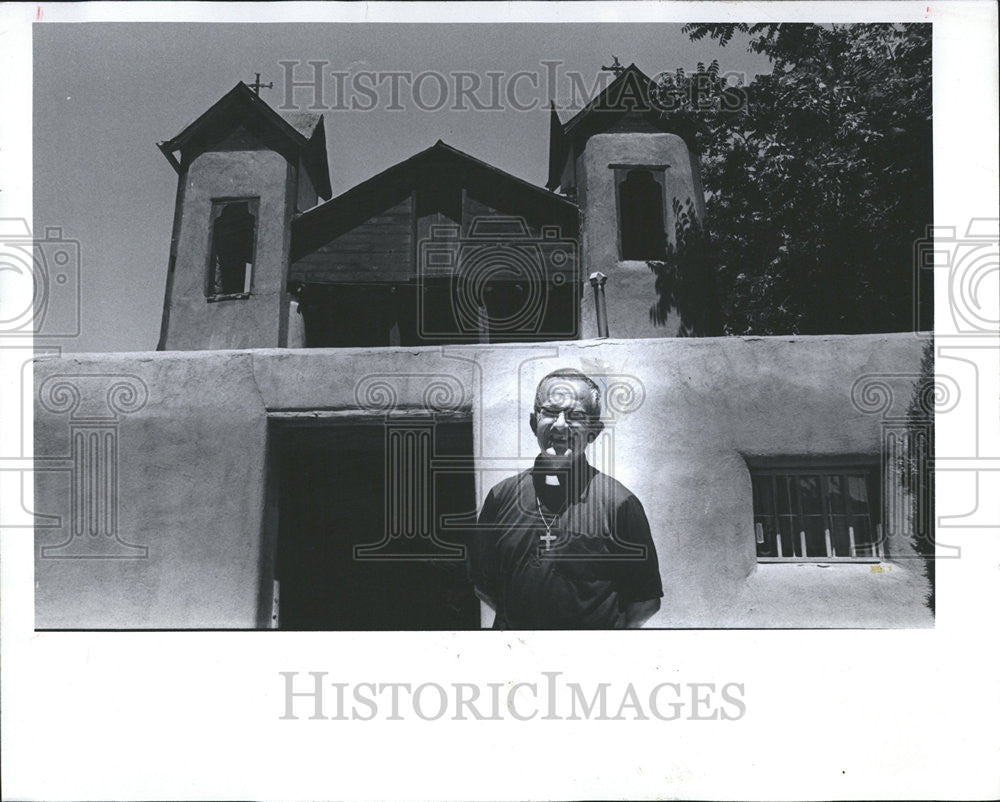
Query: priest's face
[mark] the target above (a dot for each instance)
(565, 421)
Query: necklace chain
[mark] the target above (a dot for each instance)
(548, 537)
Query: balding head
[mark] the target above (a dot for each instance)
(567, 413)
(568, 381)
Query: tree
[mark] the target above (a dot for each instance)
(915, 467)
(818, 176)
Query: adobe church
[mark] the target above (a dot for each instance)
(340, 379)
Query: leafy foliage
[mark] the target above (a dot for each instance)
(817, 176)
(916, 468)
(684, 281)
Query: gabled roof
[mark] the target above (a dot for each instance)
(439, 160)
(631, 90)
(628, 103)
(304, 132)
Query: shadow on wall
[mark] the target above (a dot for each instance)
(684, 279)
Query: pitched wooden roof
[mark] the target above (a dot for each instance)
(630, 91)
(626, 104)
(303, 132)
(441, 161)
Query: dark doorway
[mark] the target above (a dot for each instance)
(331, 486)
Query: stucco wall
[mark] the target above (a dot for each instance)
(708, 406)
(631, 288)
(254, 322)
(190, 493)
(192, 466)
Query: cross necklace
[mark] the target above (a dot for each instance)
(548, 537)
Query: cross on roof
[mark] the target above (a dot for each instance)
(616, 66)
(256, 86)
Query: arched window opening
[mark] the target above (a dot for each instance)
(640, 217)
(231, 266)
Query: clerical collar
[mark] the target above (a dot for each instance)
(571, 480)
(547, 465)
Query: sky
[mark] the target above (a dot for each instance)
(105, 93)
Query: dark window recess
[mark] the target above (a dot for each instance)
(351, 315)
(818, 514)
(530, 311)
(436, 311)
(640, 216)
(232, 254)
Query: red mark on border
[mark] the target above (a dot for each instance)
(38, 13)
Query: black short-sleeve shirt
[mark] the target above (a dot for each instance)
(599, 556)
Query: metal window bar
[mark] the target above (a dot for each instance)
(769, 512)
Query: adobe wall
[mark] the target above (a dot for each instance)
(708, 405)
(192, 465)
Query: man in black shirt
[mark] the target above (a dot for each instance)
(562, 545)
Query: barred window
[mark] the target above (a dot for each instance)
(818, 514)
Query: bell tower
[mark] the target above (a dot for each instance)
(638, 187)
(244, 171)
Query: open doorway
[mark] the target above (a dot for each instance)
(335, 495)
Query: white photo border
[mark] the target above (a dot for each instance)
(876, 714)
